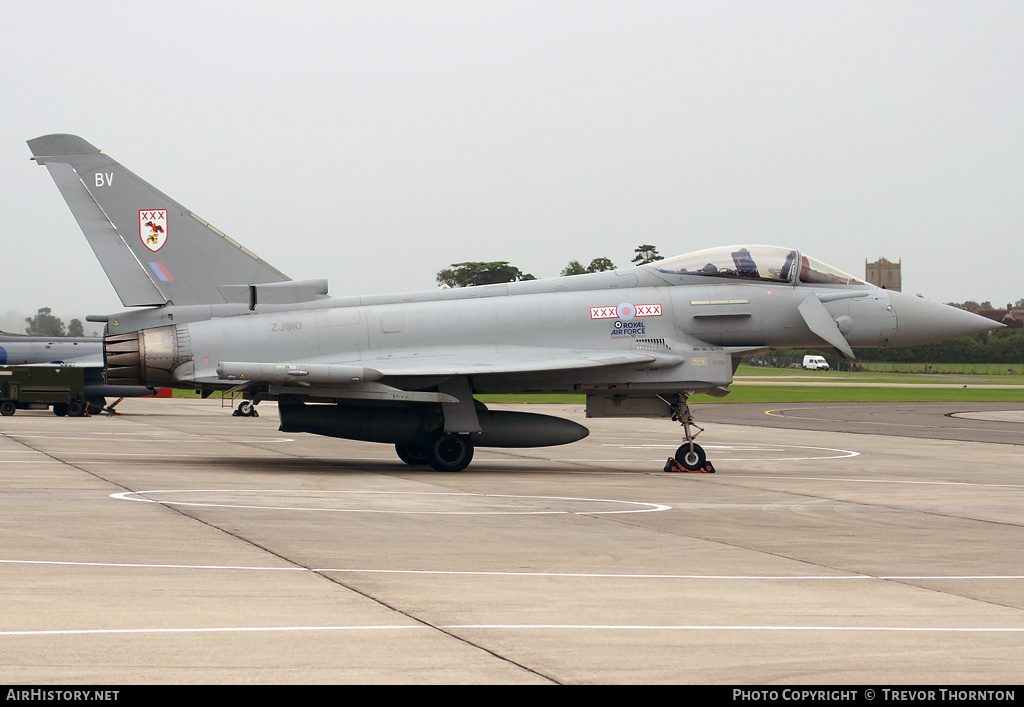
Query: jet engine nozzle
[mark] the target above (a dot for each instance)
(146, 357)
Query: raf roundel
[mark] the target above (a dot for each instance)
(626, 311)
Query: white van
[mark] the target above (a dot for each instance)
(815, 363)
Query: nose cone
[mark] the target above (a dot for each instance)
(919, 321)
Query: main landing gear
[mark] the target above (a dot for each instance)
(443, 452)
(73, 408)
(690, 457)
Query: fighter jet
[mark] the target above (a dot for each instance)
(403, 369)
(77, 351)
(22, 349)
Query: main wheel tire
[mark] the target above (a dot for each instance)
(7, 408)
(412, 454)
(691, 460)
(449, 452)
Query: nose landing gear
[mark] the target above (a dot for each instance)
(246, 408)
(690, 456)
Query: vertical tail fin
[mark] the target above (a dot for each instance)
(153, 250)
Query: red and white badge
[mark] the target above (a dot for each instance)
(626, 311)
(648, 310)
(153, 228)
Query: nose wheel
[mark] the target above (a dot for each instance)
(246, 408)
(690, 456)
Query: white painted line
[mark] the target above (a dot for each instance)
(712, 577)
(520, 627)
(726, 449)
(55, 435)
(632, 506)
(138, 440)
(56, 438)
(493, 573)
(260, 440)
(67, 457)
(878, 481)
(627, 627)
(143, 565)
(226, 629)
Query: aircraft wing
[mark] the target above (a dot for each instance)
(484, 360)
(510, 359)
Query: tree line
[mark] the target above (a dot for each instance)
(1003, 346)
(45, 324)
(972, 306)
(471, 274)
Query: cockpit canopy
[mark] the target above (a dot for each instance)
(756, 262)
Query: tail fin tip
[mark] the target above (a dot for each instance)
(60, 145)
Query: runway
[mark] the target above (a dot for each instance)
(965, 422)
(835, 544)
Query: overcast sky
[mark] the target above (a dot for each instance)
(375, 143)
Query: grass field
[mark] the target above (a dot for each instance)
(742, 393)
(974, 369)
(916, 373)
(807, 394)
